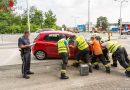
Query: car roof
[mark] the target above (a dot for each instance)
(56, 32)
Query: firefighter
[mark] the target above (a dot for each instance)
(105, 50)
(81, 44)
(98, 55)
(64, 52)
(118, 53)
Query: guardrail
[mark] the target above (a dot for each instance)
(13, 38)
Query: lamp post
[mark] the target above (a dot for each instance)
(88, 15)
(28, 12)
(121, 2)
(75, 21)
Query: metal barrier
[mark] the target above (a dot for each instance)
(13, 38)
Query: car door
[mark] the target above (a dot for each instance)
(51, 45)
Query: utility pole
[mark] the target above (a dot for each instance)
(88, 15)
(28, 11)
(100, 23)
(75, 21)
(121, 2)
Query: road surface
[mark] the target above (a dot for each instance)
(47, 74)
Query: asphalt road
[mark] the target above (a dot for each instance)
(10, 54)
(47, 74)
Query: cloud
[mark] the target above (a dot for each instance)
(65, 3)
(65, 10)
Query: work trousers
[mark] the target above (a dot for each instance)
(26, 59)
(121, 55)
(99, 58)
(84, 55)
(64, 57)
(106, 54)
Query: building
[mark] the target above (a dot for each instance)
(115, 27)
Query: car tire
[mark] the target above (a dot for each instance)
(40, 55)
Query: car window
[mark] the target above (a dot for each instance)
(67, 36)
(37, 37)
(52, 37)
(68, 39)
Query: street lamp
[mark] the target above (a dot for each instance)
(121, 2)
(75, 20)
(88, 15)
(28, 11)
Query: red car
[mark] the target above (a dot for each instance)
(46, 45)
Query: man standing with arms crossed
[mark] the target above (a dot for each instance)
(25, 49)
(64, 52)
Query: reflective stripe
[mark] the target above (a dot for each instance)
(63, 71)
(89, 63)
(128, 69)
(61, 49)
(61, 46)
(106, 65)
(112, 47)
(81, 43)
(95, 63)
(77, 61)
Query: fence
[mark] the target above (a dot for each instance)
(13, 38)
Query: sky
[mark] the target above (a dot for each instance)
(70, 11)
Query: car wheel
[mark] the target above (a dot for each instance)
(40, 55)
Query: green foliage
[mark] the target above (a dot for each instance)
(50, 20)
(12, 23)
(34, 27)
(36, 17)
(64, 26)
(102, 22)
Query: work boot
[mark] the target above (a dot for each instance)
(76, 65)
(30, 72)
(90, 69)
(108, 70)
(63, 76)
(108, 61)
(96, 67)
(114, 65)
(127, 73)
(26, 77)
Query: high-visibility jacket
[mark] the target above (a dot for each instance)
(97, 48)
(61, 46)
(113, 46)
(81, 43)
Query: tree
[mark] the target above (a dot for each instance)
(5, 5)
(7, 17)
(36, 17)
(64, 26)
(50, 20)
(13, 23)
(102, 22)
